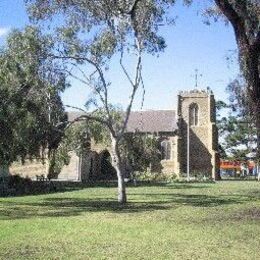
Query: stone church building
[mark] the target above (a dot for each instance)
(188, 139)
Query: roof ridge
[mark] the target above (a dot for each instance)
(153, 110)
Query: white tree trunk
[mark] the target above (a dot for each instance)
(117, 164)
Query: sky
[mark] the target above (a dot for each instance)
(191, 45)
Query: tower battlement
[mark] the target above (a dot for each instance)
(195, 93)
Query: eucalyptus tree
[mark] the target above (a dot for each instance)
(89, 34)
(30, 89)
(244, 17)
(237, 129)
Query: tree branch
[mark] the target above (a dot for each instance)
(78, 108)
(238, 23)
(134, 89)
(124, 69)
(256, 44)
(133, 7)
(104, 99)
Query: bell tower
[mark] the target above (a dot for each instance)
(197, 133)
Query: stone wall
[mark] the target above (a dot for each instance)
(171, 166)
(72, 171)
(30, 169)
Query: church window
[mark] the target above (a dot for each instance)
(166, 150)
(194, 115)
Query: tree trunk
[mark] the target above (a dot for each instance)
(252, 76)
(117, 164)
(249, 52)
(258, 137)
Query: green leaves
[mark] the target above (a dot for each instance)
(140, 151)
(237, 130)
(30, 104)
(104, 45)
(103, 24)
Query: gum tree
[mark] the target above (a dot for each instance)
(89, 34)
(244, 16)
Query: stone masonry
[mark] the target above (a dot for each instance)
(203, 137)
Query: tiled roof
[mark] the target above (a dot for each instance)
(149, 121)
(72, 115)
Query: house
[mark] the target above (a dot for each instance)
(188, 138)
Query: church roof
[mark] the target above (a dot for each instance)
(149, 121)
(72, 115)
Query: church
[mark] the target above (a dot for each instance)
(188, 138)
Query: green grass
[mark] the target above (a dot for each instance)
(174, 221)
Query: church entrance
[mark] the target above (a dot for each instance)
(107, 171)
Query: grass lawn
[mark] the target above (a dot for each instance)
(173, 221)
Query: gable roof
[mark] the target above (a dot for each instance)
(72, 115)
(150, 121)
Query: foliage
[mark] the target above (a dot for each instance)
(30, 104)
(237, 129)
(19, 184)
(106, 19)
(75, 139)
(15, 185)
(141, 152)
(154, 177)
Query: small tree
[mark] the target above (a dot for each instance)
(89, 34)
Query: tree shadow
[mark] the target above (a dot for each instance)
(196, 200)
(67, 207)
(49, 187)
(180, 186)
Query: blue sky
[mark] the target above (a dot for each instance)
(190, 44)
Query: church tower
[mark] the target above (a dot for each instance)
(197, 133)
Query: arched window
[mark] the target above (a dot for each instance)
(194, 114)
(166, 150)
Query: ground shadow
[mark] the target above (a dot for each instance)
(195, 200)
(66, 206)
(41, 188)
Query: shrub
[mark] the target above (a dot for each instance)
(19, 185)
(155, 176)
